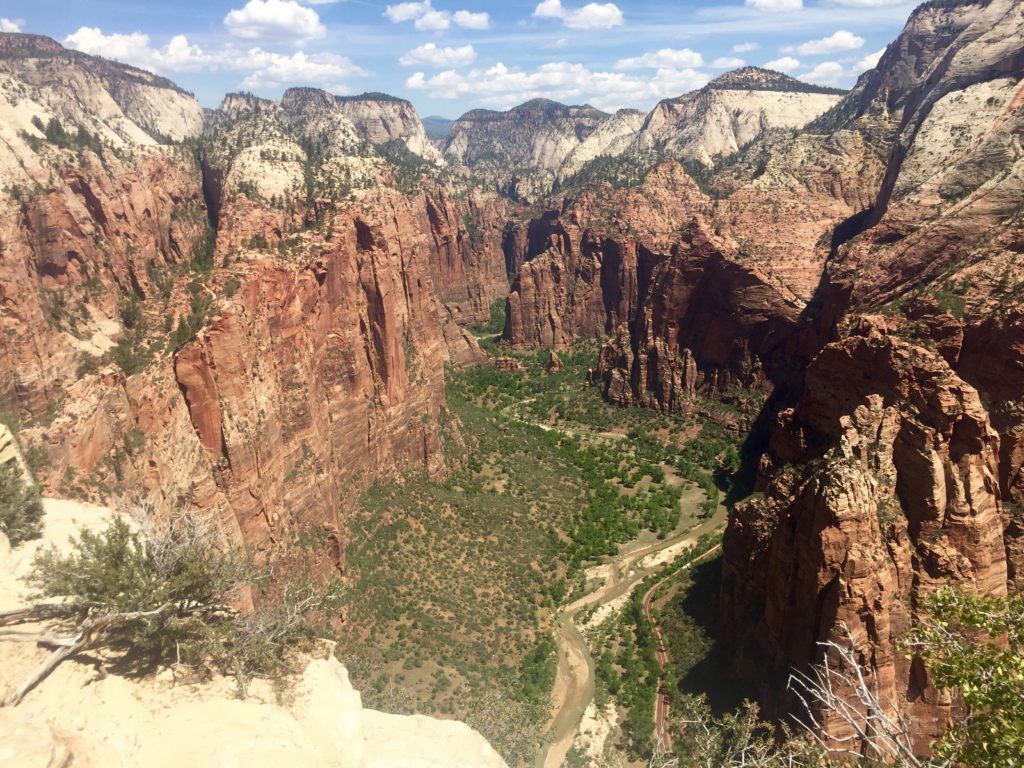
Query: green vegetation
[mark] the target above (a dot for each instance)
(625, 648)
(441, 605)
(55, 134)
(21, 508)
(407, 168)
(496, 322)
(976, 645)
(621, 172)
(165, 591)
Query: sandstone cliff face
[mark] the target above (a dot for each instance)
(581, 267)
(880, 487)
(899, 467)
(268, 383)
(311, 379)
(94, 206)
(381, 118)
(520, 151)
(703, 324)
(730, 112)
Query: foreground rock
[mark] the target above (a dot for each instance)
(78, 716)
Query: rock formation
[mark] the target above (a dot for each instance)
(260, 332)
(898, 468)
(95, 203)
(520, 151)
(702, 325)
(730, 112)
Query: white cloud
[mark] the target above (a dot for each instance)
(503, 87)
(282, 21)
(776, 6)
(426, 18)
(785, 64)
(837, 41)
(273, 70)
(468, 20)
(432, 56)
(549, 9)
(745, 47)
(826, 73)
(727, 62)
(433, 21)
(7, 25)
(868, 62)
(177, 56)
(666, 58)
(406, 11)
(262, 69)
(591, 16)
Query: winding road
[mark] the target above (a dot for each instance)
(574, 680)
(661, 705)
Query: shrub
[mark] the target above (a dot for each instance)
(21, 508)
(170, 589)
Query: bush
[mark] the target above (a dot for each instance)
(21, 508)
(975, 646)
(171, 590)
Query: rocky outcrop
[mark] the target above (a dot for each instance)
(520, 151)
(97, 205)
(702, 325)
(898, 468)
(581, 267)
(310, 380)
(880, 487)
(381, 118)
(81, 718)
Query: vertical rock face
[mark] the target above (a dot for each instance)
(310, 380)
(299, 358)
(730, 112)
(881, 486)
(313, 377)
(520, 151)
(898, 469)
(95, 203)
(703, 324)
(382, 118)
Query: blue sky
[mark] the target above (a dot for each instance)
(448, 56)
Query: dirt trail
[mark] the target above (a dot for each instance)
(574, 680)
(661, 705)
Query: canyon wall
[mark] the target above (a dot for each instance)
(896, 469)
(258, 329)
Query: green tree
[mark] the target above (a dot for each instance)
(170, 588)
(21, 508)
(975, 645)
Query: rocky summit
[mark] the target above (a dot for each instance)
(587, 436)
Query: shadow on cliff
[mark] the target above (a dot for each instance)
(710, 674)
(815, 327)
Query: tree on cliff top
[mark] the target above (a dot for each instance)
(167, 590)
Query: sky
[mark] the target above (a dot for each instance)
(449, 56)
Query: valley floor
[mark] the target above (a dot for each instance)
(470, 597)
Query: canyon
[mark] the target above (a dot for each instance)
(255, 312)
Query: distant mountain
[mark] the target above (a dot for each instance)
(730, 112)
(437, 127)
